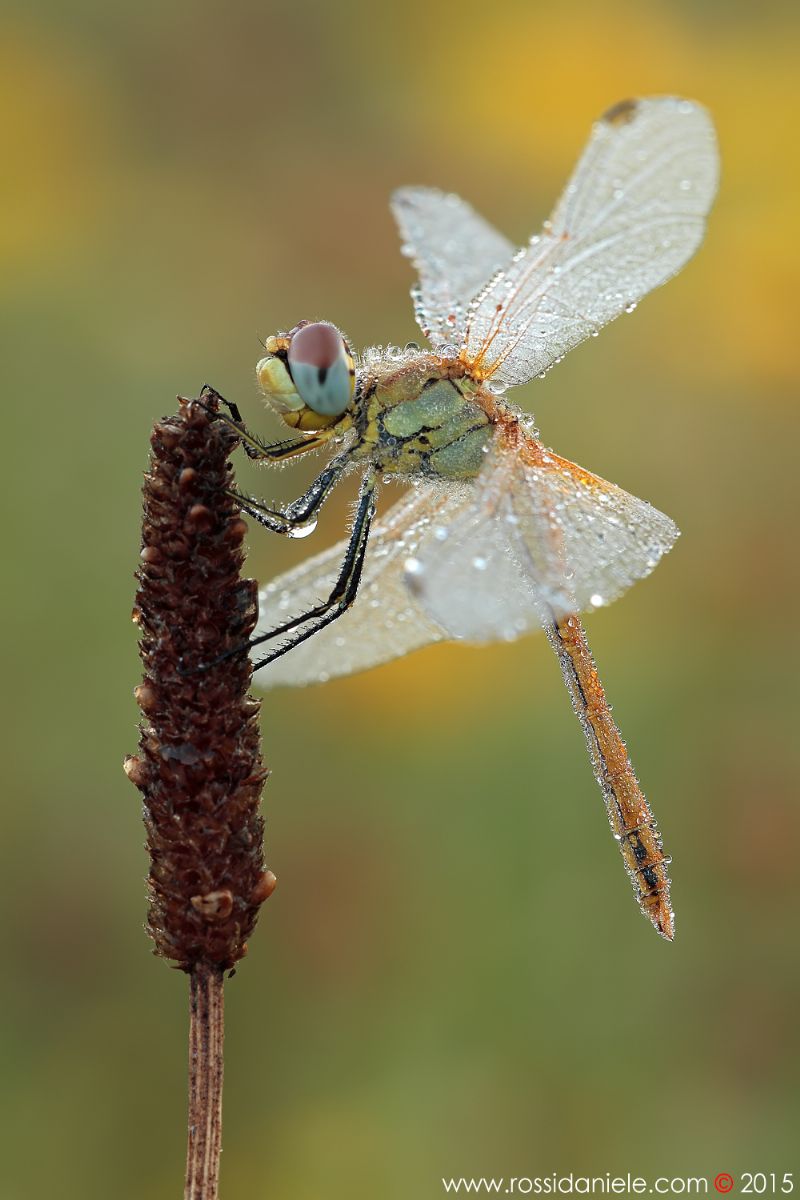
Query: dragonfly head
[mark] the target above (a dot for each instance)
(308, 375)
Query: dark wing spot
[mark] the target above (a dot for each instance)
(622, 113)
(322, 375)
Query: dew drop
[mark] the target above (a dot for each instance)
(479, 563)
(302, 531)
(596, 600)
(631, 306)
(414, 567)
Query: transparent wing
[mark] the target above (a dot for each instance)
(469, 577)
(543, 537)
(455, 253)
(632, 214)
(385, 620)
(584, 540)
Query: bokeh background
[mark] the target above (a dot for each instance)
(452, 978)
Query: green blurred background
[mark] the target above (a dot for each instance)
(452, 978)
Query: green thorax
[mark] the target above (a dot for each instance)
(418, 423)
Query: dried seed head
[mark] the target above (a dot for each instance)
(199, 766)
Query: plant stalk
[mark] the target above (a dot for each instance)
(206, 1038)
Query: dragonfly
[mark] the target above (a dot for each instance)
(495, 535)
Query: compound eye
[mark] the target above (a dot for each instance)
(322, 368)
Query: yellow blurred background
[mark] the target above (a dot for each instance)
(452, 978)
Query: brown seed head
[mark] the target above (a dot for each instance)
(199, 766)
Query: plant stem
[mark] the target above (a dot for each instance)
(206, 1037)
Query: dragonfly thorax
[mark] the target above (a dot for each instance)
(419, 415)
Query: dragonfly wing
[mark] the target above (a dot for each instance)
(468, 576)
(384, 622)
(584, 540)
(632, 214)
(455, 252)
(542, 538)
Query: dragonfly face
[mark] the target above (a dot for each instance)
(499, 536)
(308, 375)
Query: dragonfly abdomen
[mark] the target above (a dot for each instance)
(631, 819)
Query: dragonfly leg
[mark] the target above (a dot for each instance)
(300, 511)
(341, 597)
(344, 590)
(253, 446)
